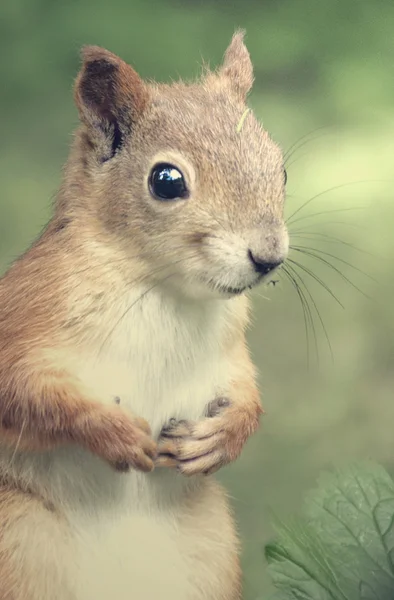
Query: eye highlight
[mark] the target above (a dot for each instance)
(166, 182)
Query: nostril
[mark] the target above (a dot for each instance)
(261, 265)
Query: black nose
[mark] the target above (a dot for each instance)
(262, 266)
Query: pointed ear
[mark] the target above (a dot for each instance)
(110, 96)
(237, 66)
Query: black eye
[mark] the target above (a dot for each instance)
(166, 182)
(285, 175)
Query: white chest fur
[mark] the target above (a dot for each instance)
(164, 359)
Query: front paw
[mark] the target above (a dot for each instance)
(207, 445)
(123, 440)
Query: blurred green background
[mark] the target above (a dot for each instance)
(324, 70)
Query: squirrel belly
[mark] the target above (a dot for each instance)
(140, 535)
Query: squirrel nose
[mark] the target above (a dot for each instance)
(262, 266)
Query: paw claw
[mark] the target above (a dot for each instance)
(206, 445)
(215, 407)
(178, 429)
(122, 467)
(163, 460)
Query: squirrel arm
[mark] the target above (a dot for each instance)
(242, 408)
(42, 406)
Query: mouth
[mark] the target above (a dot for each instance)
(232, 291)
(237, 291)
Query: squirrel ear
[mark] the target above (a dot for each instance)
(237, 66)
(109, 95)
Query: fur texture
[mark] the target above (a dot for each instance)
(122, 344)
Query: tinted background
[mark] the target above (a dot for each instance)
(324, 70)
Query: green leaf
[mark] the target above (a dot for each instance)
(342, 548)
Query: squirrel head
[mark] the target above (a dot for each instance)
(182, 175)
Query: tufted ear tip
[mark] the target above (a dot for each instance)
(109, 96)
(237, 41)
(94, 53)
(237, 66)
(107, 88)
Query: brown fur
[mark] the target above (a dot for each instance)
(104, 238)
(43, 406)
(40, 400)
(237, 67)
(31, 532)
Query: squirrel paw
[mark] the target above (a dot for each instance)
(122, 440)
(203, 446)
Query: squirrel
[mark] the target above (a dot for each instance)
(125, 377)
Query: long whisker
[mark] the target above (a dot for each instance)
(296, 159)
(294, 147)
(308, 309)
(308, 316)
(324, 212)
(316, 278)
(291, 154)
(346, 223)
(328, 239)
(320, 194)
(316, 309)
(311, 251)
(302, 301)
(328, 264)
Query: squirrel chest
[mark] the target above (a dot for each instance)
(163, 360)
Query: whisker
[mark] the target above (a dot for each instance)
(131, 306)
(311, 251)
(304, 306)
(311, 321)
(294, 147)
(329, 239)
(324, 212)
(316, 309)
(294, 285)
(346, 223)
(20, 436)
(139, 256)
(316, 278)
(260, 295)
(320, 194)
(328, 264)
(296, 159)
(160, 281)
(220, 222)
(289, 164)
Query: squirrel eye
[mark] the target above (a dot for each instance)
(166, 182)
(285, 175)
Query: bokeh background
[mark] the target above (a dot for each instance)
(324, 82)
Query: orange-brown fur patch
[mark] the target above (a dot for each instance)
(207, 519)
(108, 86)
(25, 519)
